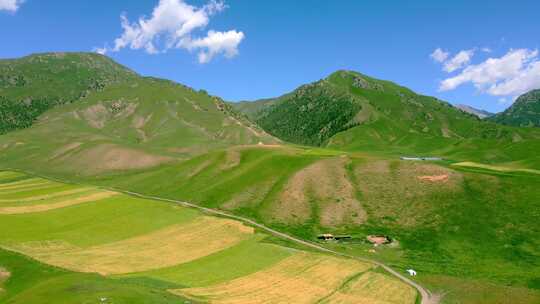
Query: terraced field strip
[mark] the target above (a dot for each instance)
(7, 175)
(30, 182)
(301, 278)
(61, 204)
(31, 187)
(31, 195)
(494, 167)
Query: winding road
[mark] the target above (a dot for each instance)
(426, 296)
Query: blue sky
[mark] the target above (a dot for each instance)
(261, 49)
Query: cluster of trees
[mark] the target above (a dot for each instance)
(309, 117)
(20, 114)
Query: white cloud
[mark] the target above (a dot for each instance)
(460, 60)
(439, 55)
(101, 51)
(512, 74)
(172, 25)
(486, 50)
(214, 43)
(10, 5)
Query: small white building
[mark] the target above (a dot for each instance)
(411, 272)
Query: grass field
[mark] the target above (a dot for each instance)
(86, 247)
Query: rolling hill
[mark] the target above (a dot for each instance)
(525, 112)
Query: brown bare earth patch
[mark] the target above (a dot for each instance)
(96, 115)
(232, 159)
(45, 207)
(301, 278)
(99, 114)
(434, 178)
(108, 157)
(138, 123)
(170, 246)
(393, 191)
(4, 276)
(324, 183)
(373, 288)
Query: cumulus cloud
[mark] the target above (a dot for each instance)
(10, 5)
(460, 60)
(172, 25)
(439, 55)
(214, 43)
(513, 74)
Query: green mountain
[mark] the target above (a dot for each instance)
(354, 112)
(31, 85)
(525, 112)
(96, 111)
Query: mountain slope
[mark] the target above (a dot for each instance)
(471, 110)
(130, 123)
(351, 111)
(313, 113)
(525, 112)
(31, 85)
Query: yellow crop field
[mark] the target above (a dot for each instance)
(61, 204)
(373, 288)
(163, 248)
(301, 278)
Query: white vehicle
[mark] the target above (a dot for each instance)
(411, 272)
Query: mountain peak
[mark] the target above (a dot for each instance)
(525, 112)
(474, 111)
